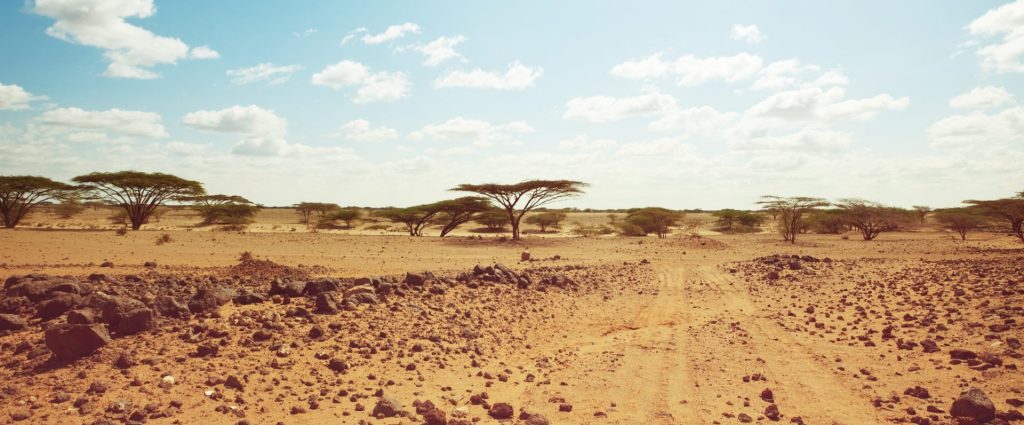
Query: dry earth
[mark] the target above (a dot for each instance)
(335, 327)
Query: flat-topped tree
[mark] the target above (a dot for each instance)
(459, 211)
(922, 212)
(414, 218)
(312, 212)
(519, 198)
(790, 212)
(222, 209)
(137, 192)
(21, 194)
(1010, 210)
(869, 218)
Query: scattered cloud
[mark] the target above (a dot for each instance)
(372, 86)
(306, 33)
(1006, 24)
(746, 33)
(783, 74)
(393, 33)
(13, 97)
(517, 77)
(480, 133)
(964, 130)
(440, 50)
(360, 130)
(131, 50)
(690, 70)
(128, 123)
(805, 140)
(262, 72)
(817, 103)
(263, 131)
(585, 143)
(982, 98)
(352, 35)
(604, 109)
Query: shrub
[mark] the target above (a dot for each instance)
(546, 219)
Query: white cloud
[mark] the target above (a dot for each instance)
(203, 52)
(783, 74)
(131, 50)
(814, 103)
(480, 133)
(585, 143)
(264, 132)
(690, 70)
(517, 77)
(372, 86)
(129, 123)
(1004, 55)
(982, 98)
(440, 50)
(13, 97)
(609, 109)
(649, 67)
(302, 34)
(262, 72)
(361, 130)
(660, 147)
(703, 120)
(748, 33)
(805, 140)
(979, 127)
(352, 35)
(393, 33)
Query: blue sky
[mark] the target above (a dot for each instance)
(676, 104)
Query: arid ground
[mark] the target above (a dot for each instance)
(361, 326)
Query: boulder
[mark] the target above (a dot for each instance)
(500, 411)
(58, 305)
(117, 308)
(328, 303)
(973, 404)
(12, 322)
(83, 316)
(206, 299)
(287, 288)
(134, 321)
(415, 279)
(246, 297)
(317, 287)
(361, 295)
(70, 341)
(387, 407)
(168, 306)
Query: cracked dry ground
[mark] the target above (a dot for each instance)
(732, 329)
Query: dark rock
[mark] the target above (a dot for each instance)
(974, 404)
(135, 321)
(962, 354)
(361, 295)
(317, 287)
(70, 341)
(328, 303)
(387, 407)
(83, 316)
(207, 299)
(772, 412)
(288, 289)
(434, 416)
(929, 346)
(500, 411)
(246, 297)
(12, 322)
(168, 306)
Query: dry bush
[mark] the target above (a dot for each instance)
(164, 238)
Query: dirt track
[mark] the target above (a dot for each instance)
(695, 336)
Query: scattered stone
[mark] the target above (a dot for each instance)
(973, 404)
(71, 341)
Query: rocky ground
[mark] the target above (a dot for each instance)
(731, 329)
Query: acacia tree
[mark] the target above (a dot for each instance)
(494, 219)
(222, 209)
(1010, 210)
(546, 219)
(870, 218)
(21, 194)
(138, 193)
(960, 220)
(414, 218)
(654, 220)
(310, 213)
(790, 212)
(348, 215)
(459, 211)
(921, 211)
(519, 198)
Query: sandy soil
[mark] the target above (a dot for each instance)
(646, 331)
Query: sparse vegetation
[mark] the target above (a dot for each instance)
(138, 193)
(546, 219)
(520, 198)
(960, 220)
(791, 212)
(870, 218)
(21, 194)
(650, 220)
(1009, 210)
(493, 219)
(312, 213)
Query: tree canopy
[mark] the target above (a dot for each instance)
(790, 212)
(137, 192)
(21, 194)
(546, 219)
(459, 211)
(960, 220)
(519, 198)
(654, 220)
(1010, 210)
(870, 218)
